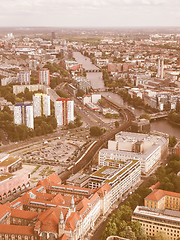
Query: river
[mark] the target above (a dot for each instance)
(98, 83)
(94, 77)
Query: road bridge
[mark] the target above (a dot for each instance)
(93, 70)
(159, 115)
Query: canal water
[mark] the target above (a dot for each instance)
(98, 83)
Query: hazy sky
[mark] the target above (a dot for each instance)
(89, 13)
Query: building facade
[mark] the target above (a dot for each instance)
(64, 111)
(67, 212)
(23, 114)
(24, 78)
(41, 105)
(148, 149)
(44, 77)
(154, 221)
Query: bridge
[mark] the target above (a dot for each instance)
(159, 115)
(93, 70)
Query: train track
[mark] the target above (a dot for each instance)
(87, 157)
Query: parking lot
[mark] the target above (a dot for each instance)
(56, 152)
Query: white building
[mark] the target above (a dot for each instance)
(41, 104)
(33, 64)
(64, 111)
(23, 114)
(122, 176)
(102, 62)
(24, 78)
(148, 149)
(44, 77)
(95, 98)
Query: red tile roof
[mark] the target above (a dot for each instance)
(23, 214)
(50, 180)
(155, 186)
(16, 229)
(157, 194)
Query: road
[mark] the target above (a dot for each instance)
(87, 159)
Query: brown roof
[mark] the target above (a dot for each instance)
(157, 194)
(16, 229)
(23, 214)
(53, 178)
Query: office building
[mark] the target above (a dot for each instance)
(64, 111)
(148, 149)
(154, 221)
(41, 105)
(23, 114)
(44, 77)
(24, 78)
(122, 176)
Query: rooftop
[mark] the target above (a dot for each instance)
(9, 161)
(5, 176)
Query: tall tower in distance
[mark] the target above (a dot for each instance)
(162, 68)
(53, 37)
(159, 68)
(160, 71)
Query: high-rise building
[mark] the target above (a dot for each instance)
(44, 77)
(33, 64)
(53, 37)
(160, 72)
(41, 105)
(64, 111)
(23, 114)
(24, 77)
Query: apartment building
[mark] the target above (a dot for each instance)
(44, 77)
(64, 111)
(23, 114)
(24, 78)
(41, 105)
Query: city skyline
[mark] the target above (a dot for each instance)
(86, 13)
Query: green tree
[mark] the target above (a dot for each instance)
(95, 131)
(116, 124)
(172, 141)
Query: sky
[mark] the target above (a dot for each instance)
(89, 13)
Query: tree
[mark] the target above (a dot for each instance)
(130, 234)
(96, 131)
(161, 236)
(80, 92)
(116, 124)
(172, 141)
(145, 116)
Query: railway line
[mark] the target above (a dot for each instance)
(87, 157)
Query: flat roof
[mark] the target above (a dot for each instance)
(5, 176)
(112, 173)
(8, 161)
(166, 215)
